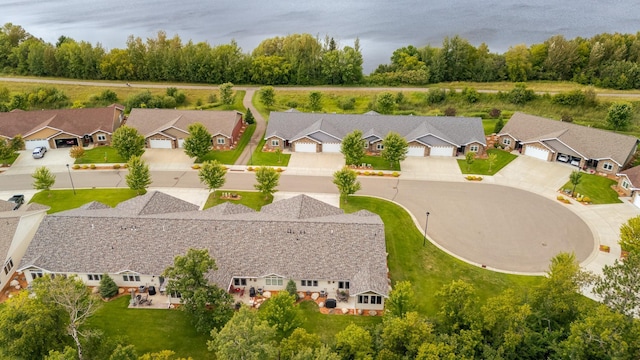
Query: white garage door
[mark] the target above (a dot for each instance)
(636, 199)
(331, 148)
(536, 153)
(181, 143)
(441, 151)
(416, 151)
(160, 144)
(305, 147)
(32, 144)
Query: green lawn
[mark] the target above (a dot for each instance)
(481, 166)
(60, 200)
(150, 330)
(428, 268)
(597, 188)
(266, 158)
(97, 155)
(489, 125)
(229, 157)
(378, 163)
(326, 326)
(10, 160)
(252, 199)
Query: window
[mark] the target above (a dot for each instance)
(625, 184)
(506, 141)
(102, 137)
(473, 148)
(363, 299)
(8, 266)
(220, 141)
(380, 146)
(309, 282)
(366, 299)
(275, 142)
(343, 285)
(36, 274)
(239, 282)
(607, 166)
(366, 144)
(273, 280)
(94, 277)
(128, 277)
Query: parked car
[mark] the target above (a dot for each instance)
(575, 162)
(17, 200)
(39, 152)
(563, 158)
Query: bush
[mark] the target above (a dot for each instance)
(116, 166)
(85, 166)
(586, 199)
(395, 174)
(93, 166)
(213, 98)
(292, 104)
(366, 173)
(380, 173)
(520, 95)
(347, 103)
(570, 98)
(195, 166)
(249, 168)
(76, 166)
(450, 111)
(495, 113)
(436, 96)
(108, 287)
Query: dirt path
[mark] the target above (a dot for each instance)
(261, 126)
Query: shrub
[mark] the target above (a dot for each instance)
(380, 173)
(279, 170)
(292, 104)
(520, 95)
(76, 166)
(195, 166)
(586, 199)
(495, 113)
(249, 168)
(366, 173)
(125, 166)
(436, 96)
(395, 174)
(213, 98)
(571, 98)
(347, 103)
(85, 166)
(450, 111)
(116, 166)
(566, 117)
(93, 166)
(108, 287)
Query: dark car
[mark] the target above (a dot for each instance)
(17, 200)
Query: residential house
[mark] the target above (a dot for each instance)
(167, 128)
(629, 184)
(17, 228)
(318, 246)
(61, 128)
(602, 151)
(426, 135)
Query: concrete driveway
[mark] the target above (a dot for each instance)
(535, 175)
(167, 159)
(314, 163)
(55, 159)
(431, 168)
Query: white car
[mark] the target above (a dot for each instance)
(39, 152)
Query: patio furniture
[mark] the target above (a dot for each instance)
(252, 292)
(331, 304)
(152, 290)
(142, 289)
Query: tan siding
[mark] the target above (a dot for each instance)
(43, 133)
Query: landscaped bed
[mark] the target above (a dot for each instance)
(229, 157)
(597, 188)
(268, 158)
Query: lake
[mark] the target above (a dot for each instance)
(381, 25)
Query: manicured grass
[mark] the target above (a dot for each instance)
(378, 163)
(267, 158)
(97, 155)
(327, 326)
(11, 159)
(481, 166)
(597, 188)
(150, 330)
(229, 157)
(252, 199)
(429, 268)
(489, 125)
(60, 200)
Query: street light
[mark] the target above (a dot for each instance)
(70, 178)
(426, 223)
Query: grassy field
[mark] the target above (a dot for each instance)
(326, 326)
(229, 157)
(60, 200)
(252, 199)
(481, 166)
(428, 268)
(150, 330)
(597, 188)
(101, 155)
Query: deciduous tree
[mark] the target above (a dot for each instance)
(354, 343)
(469, 158)
(630, 235)
(76, 152)
(491, 160)
(71, 296)
(385, 102)
(458, 306)
(281, 313)
(401, 300)
(620, 116)
(315, 101)
(619, 285)
(139, 177)
(226, 93)
(213, 175)
(128, 142)
(245, 336)
(574, 178)
(6, 151)
(43, 179)
(208, 306)
(394, 149)
(352, 147)
(267, 180)
(347, 182)
(198, 144)
(267, 96)
(299, 340)
(404, 335)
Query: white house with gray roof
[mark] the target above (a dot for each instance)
(585, 147)
(317, 245)
(427, 135)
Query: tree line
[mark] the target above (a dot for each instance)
(604, 60)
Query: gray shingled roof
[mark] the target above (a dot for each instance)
(296, 238)
(153, 121)
(457, 130)
(590, 142)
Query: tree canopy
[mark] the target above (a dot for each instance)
(128, 142)
(198, 144)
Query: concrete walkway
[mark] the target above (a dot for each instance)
(261, 127)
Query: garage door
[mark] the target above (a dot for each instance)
(160, 144)
(537, 153)
(441, 151)
(417, 151)
(32, 144)
(61, 143)
(636, 199)
(305, 147)
(331, 148)
(181, 143)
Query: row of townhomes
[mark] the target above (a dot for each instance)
(322, 249)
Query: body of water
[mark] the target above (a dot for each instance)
(381, 25)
